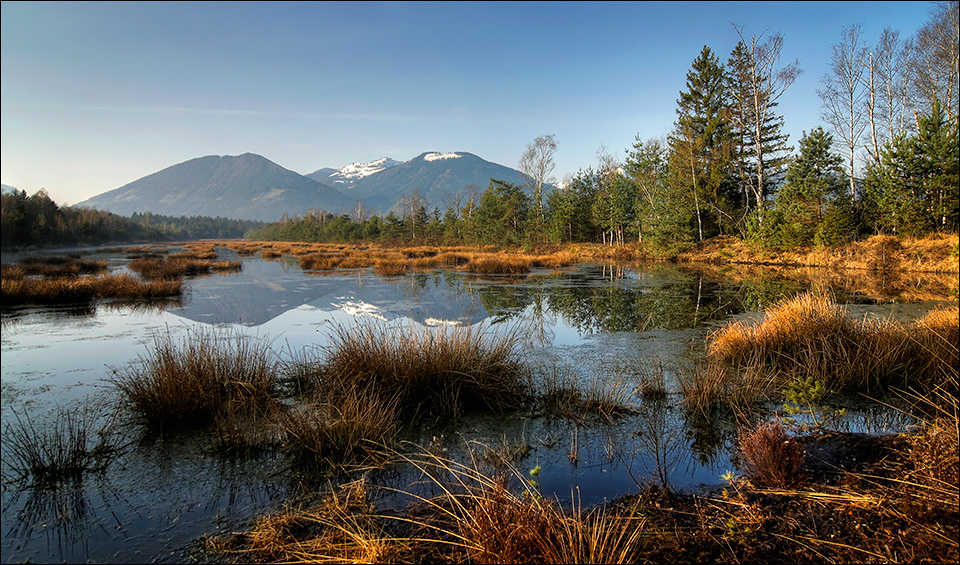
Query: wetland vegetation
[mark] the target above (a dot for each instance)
(378, 397)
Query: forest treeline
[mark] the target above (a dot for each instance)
(37, 221)
(886, 163)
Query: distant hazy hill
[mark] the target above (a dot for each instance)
(251, 187)
(7, 189)
(438, 177)
(248, 187)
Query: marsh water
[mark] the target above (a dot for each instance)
(604, 323)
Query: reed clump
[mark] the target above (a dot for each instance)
(431, 372)
(65, 447)
(60, 266)
(61, 290)
(497, 264)
(187, 382)
(346, 430)
(180, 265)
(811, 336)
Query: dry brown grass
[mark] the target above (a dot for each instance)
(181, 265)
(435, 372)
(810, 335)
(497, 264)
(181, 384)
(54, 267)
(346, 429)
(22, 290)
(475, 519)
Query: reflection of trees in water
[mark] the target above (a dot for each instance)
(680, 301)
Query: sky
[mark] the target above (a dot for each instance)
(97, 95)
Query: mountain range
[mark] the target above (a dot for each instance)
(251, 187)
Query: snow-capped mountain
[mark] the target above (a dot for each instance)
(344, 177)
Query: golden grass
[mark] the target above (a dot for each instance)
(810, 335)
(21, 290)
(181, 265)
(475, 519)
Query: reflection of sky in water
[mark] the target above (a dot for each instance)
(593, 319)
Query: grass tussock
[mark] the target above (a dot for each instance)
(563, 393)
(72, 443)
(811, 336)
(497, 264)
(191, 381)
(181, 265)
(16, 290)
(58, 266)
(431, 372)
(347, 432)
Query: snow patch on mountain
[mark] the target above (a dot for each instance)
(440, 156)
(356, 171)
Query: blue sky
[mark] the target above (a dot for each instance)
(96, 95)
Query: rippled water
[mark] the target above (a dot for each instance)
(157, 498)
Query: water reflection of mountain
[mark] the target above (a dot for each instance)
(264, 290)
(589, 298)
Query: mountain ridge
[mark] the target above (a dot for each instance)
(251, 187)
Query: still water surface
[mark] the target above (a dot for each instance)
(158, 497)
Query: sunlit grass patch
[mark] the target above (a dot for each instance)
(811, 335)
(490, 264)
(183, 383)
(391, 267)
(320, 262)
(63, 290)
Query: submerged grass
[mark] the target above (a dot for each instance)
(72, 443)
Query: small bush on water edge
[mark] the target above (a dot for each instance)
(773, 458)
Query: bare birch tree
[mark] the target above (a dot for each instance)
(891, 65)
(937, 58)
(766, 83)
(537, 165)
(843, 95)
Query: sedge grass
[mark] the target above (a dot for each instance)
(432, 372)
(65, 447)
(811, 336)
(323, 435)
(187, 382)
(62, 290)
